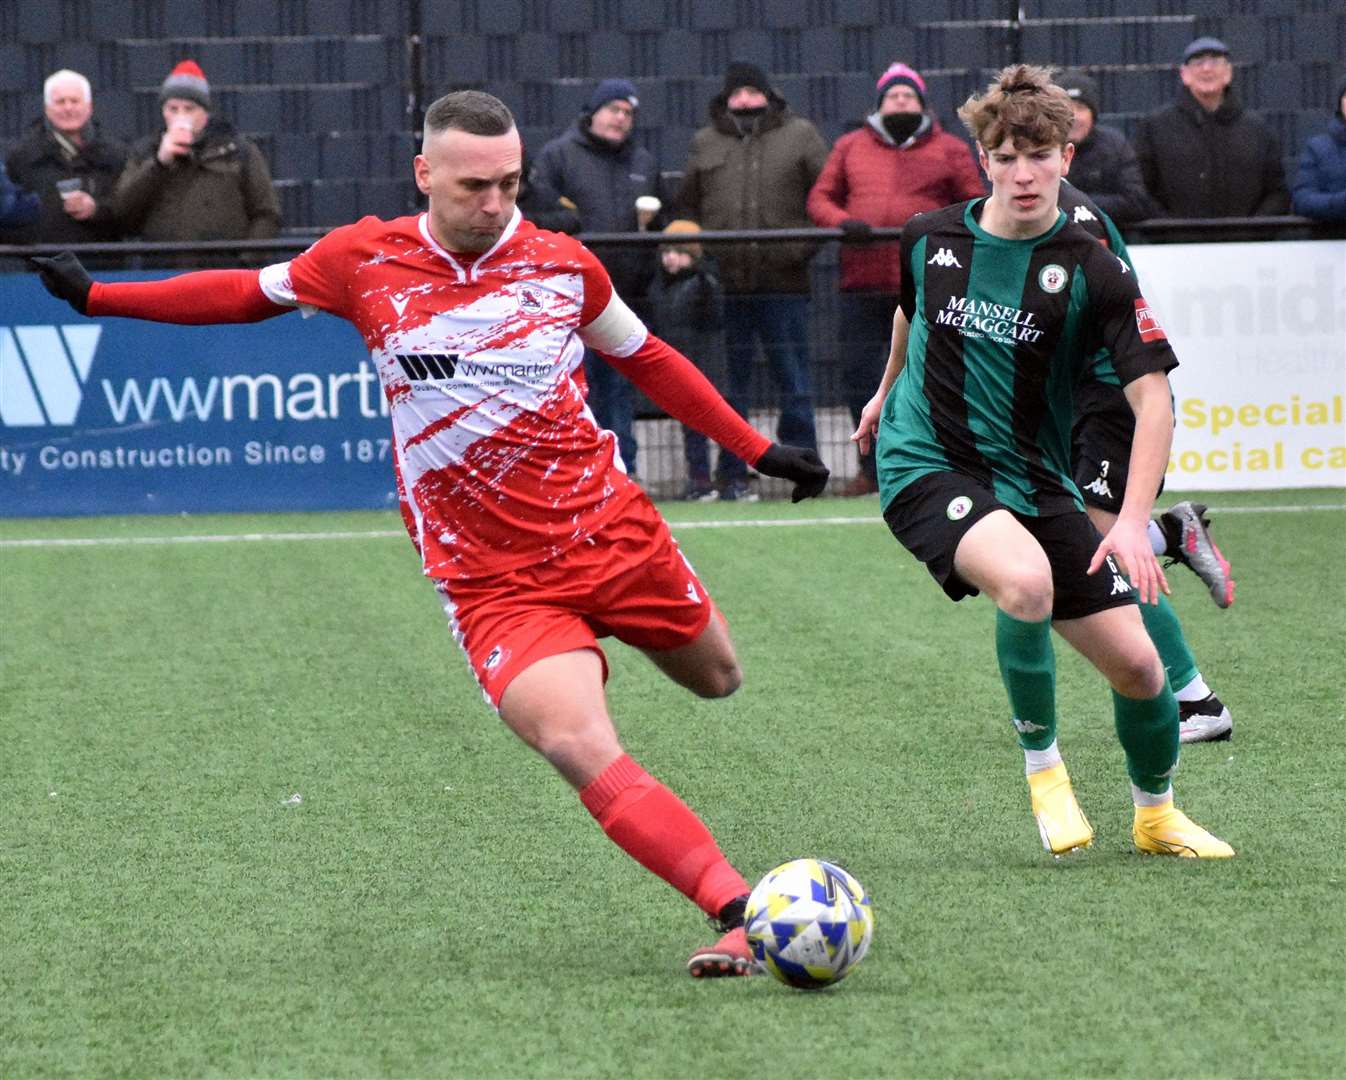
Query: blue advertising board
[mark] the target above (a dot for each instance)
(119, 416)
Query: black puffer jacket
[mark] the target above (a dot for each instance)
(687, 311)
(1200, 164)
(1105, 168)
(755, 177)
(603, 180)
(40, 159)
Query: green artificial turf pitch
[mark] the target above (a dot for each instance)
(257, 821)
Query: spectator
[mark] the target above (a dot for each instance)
(752, 167)
(545, 209)
(17, 207)
(897, 164)
(70, 166)
(687, 311)
(597, 166)
(198, 179)
(1320, 186)
(1205, 155)
(1104, 166)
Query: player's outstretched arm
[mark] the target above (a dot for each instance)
(1128, 539)
(197, 299)
(867, 430)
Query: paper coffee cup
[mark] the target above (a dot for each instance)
(649, 204)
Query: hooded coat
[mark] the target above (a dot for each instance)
(755, 176)
(41, 158)
(871, 178)
(220, 191)
(1200, 164)
(1320, 182)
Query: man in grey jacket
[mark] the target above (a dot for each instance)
(596, 167)
(752, 167)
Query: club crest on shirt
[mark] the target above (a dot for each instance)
(1053, 278)
(959, 508)
(530, 300)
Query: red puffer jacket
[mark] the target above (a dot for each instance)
(870, 178)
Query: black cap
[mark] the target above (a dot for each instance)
(1079, 87)
(742, 73)
(1203, 46)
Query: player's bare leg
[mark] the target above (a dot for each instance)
(1001, 558)
(708, 667)
(557, 706)
(1115, 641)
(1202, 717)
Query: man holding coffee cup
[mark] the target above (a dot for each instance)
(613, 184)
(197, 179)
(70, 165)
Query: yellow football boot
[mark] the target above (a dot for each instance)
(1061, 823)
(1166, 830)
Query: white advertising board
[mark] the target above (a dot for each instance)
(1260, 333)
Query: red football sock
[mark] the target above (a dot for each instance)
(660, 832)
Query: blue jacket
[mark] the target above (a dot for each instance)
(1320, 187)
(17, 207)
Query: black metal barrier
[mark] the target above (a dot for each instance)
(662, 461)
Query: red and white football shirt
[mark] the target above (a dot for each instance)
(501, 461)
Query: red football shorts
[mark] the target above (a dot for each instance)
(629, 581)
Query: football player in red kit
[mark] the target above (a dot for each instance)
(536, 539)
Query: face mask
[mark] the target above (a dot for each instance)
(902, 126)
(748, 114)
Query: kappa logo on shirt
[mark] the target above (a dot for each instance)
(943, 257)
(1083, 213)
(1147, 322)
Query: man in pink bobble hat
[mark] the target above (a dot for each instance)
(898, 163)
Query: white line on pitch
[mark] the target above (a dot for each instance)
(383, 534)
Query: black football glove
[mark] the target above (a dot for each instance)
(795, 463)
(855, 229)
(65, 278)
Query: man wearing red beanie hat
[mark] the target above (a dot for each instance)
(198, 179)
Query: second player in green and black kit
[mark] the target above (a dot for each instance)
(1002, 332)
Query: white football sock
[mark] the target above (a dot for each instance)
(1158, 542)
(1041, 760)
(1149, 798)
(1194, 690)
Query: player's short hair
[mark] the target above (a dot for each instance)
(1023, 104)
(65, 75)
(473, 111)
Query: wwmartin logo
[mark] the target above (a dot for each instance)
(43, 370)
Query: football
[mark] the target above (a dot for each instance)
(809, 923)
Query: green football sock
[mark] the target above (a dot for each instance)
(1028, 669)
(1148, 730)
(1161, 621)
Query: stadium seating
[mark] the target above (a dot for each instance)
(325, 83)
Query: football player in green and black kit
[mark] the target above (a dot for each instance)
(1101, 450)
(1004, 305)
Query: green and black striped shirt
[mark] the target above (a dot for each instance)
(1002, 331)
